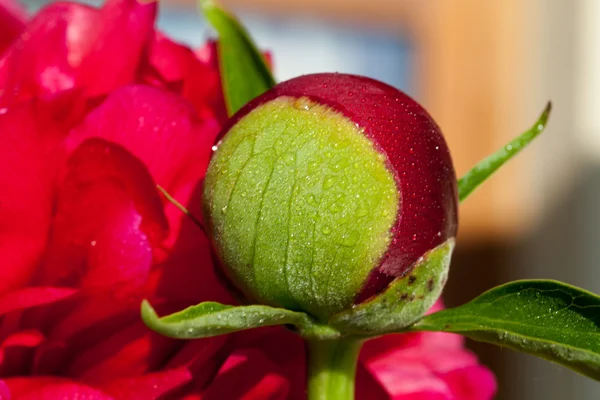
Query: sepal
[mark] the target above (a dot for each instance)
(213, 319)
(405, 301)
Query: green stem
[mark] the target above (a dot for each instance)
(332, 368)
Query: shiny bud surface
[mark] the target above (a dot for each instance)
(325, 189)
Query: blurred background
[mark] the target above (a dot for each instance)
(484, 70)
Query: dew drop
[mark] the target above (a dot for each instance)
(328, 184)
(414, 237)
(224, 210)
(336, 207)
(302, 103)
(350, 239)
(326, 230)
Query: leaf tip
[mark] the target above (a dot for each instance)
(203, 4)
(543, 120)
(148, 314)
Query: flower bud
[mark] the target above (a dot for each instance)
(325, 189)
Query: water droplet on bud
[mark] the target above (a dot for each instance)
(302, 103)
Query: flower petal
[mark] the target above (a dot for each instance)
(409, 379)
(471, 383)
(4, 391)
(163, 131)
(116, 42)
(150, 386)
(49, 388)
(131, 351)
(16, 351)
(31, 297)
(254, 375)
(37, 63)
(108, 215)
(195, 76)
(30, 136)
(12, 22)
(73, 46)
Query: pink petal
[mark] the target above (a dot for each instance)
(31, 297)
(166, 60)
(188, 274)
(12, 22)
(437, 361)
(28, 156)
(51, 389)
(204, 90)
(79, 316)
(471, 383)
(282, 347)
(195, 76)
(254, 375)
(72, 46)
(160, 129)
(149, 386)
(116, 44)
(37, 63)
(108, 214)
(427, 366)
(16, 351)
(130, 351)
(367, 387)
(4, 392)
(402, 378)
(199, 351)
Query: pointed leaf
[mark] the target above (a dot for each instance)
(549, 319)
(213, 319)
(244, 72)
(486, 167)
(406, 300)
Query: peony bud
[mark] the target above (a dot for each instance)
(325, 189)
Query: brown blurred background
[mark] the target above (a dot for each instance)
(484, 70)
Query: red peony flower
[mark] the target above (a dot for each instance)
(96, 108)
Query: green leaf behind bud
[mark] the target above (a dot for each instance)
(549, 319)
(406, 300)
(244, 73)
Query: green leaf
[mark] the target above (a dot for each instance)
(213, 319)
(244, 72)
(549, 319)
(486, 167)
(406, 300)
